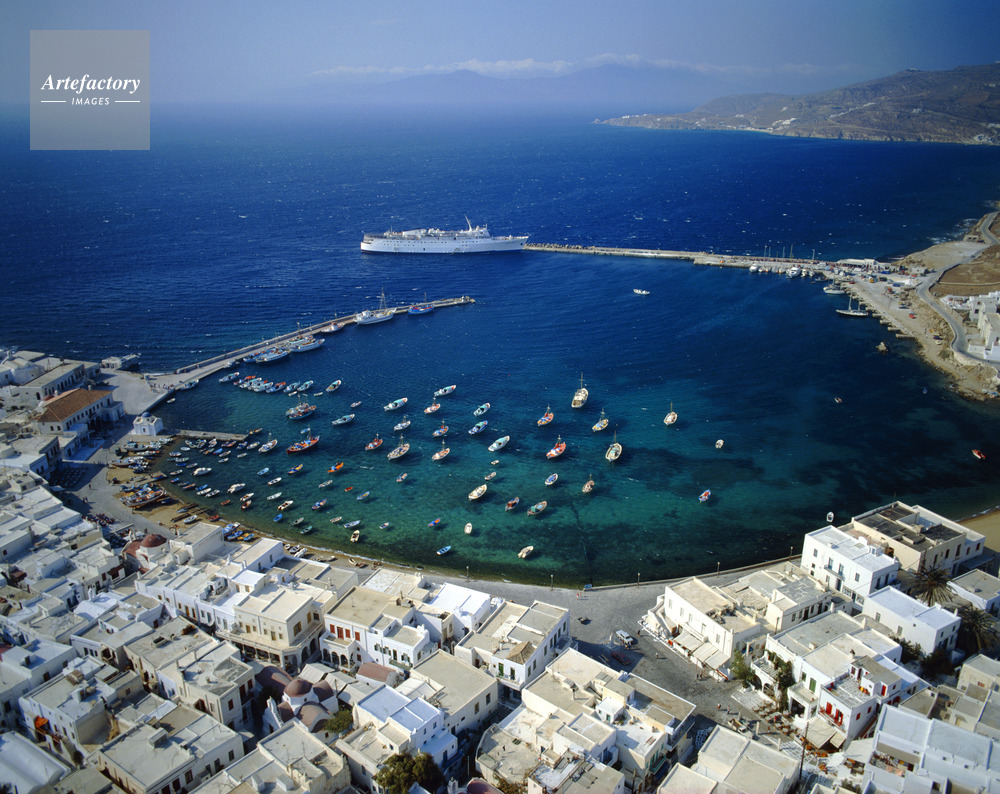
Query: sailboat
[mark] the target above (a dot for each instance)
(671, 417)
(369, 316)
(852, 312)
(601, 423)
(615, 450)
(581, 395)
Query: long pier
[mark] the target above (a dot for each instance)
(210, 365)
(697, 257)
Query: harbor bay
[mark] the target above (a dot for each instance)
(756, 360)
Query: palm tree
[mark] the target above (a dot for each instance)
(931, 584)
(978, 632)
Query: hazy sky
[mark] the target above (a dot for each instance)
(210, 50)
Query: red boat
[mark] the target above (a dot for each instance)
(557, 450)
(978, 454)
(374, 444)
(308, 442)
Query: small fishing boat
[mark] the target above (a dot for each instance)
(477, 493)
(481, 409)
(402, 425)
(829, 517)
(525, 552)
(306, 530)
(336, 468)
(384, 526)
(444, 391)
(343, 420)
(704, 495)
(499, 444)
(275, 495)
(263, 471)
(441, 453)
(434, 523)
(336, 519)
(399, 451)
(490, 476)
(278, 518)
(719, 444)
(225, 502)
(325, 483)
(285, 505)
(547, 417)
(535, 509)
(468, 528)
(268, 446)
(300, 411)
(375, 443)
(442, 551)
(307, 443)
(365, 495)
(295, 469)
(236, 487)
(349, 488)
(440, 431)
(552, 479)
(201, 470)
(432, 408)
(557, 450)
(246, 505)
(601, 423)
(671, 417)
(246, 497)
(306, 386)
(291, 387)
(580, 395)
(641, 291)
(356, 536)
(420, 308)
(614, 451)
(356, 404)
(319, 505)
(332, 328)
(395, 404)
(478, 427)
(350, 524)
(512, 504)
(976, 452)
(401, 477)
(588, 486)
(333, 386)
(297, 521)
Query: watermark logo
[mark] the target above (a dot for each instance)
(89, 89)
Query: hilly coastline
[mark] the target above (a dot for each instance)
(960, 105)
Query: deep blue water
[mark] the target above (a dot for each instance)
(231, 230)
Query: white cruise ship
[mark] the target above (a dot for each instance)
(435, 241)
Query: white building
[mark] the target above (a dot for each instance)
(517, 642)
(468, 697)
(847, 564)
(147, 425)
(980, 589)
(929, 628)
(22, 669)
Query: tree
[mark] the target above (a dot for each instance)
(931, 584)
(741, 671)
(340, 722)
(978, 632)
(784, 679)
(402, 770)
(936, 663)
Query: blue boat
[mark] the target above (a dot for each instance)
(478, 427)
(278, 517)
(434, 523)
(420, 308)
(442, 551)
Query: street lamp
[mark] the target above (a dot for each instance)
(552, 578)
(637, 578)
(466, 573)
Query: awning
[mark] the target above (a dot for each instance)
(717, 660)
(688, 641)
(820, 732)
(703, 653)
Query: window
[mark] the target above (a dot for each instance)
(487, 698)
(188, 776)
(298, 627)
(232, 755)
(230, 705)
(476, 710)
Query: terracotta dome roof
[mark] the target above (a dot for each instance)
(323, 690)
(285, 711)
(273, 677)
(313, 716)
(151, 540)
(298, 687)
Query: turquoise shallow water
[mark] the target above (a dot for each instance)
(226, 232)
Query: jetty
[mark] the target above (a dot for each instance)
(777, 264)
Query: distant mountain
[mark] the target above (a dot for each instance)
(600, 90)
(957, 106)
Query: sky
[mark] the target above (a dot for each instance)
(255, 51)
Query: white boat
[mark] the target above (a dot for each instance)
(615, 450)
(525, 552)
(852, 312)
(671, 417)
(641, 291)
(719, 443)
(441, 453)
(436, 241)
(829, 518)
(601, 423)
(202, 470)
(499, 444)
(468, 528)
(445, 390)
(792, 272)
(481, 409)
(478, 492)
(580, 397)
(552, 479)
(379, 315)
(402, 425)
(398, 452)
(833, 289)
(395, 404)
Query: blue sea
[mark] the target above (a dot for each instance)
(234, 229)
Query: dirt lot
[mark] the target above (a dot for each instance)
(977, 277)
